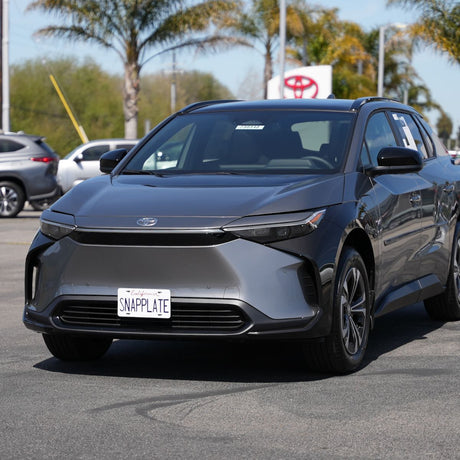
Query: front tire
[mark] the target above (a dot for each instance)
(73, 348)
(343, 350)
(446, 306)
(11, 199)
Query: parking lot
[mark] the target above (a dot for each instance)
(223, 400)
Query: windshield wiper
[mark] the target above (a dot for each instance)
(135, 172)
(166, 173)
(208, 173)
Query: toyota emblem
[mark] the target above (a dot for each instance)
(147, 221)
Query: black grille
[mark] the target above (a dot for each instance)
(184, 317)
(152, 239)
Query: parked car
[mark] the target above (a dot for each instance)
(83, 162)
(293, 219)
(28, 169)
(454, 154)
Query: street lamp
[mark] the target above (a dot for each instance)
(282, 45)
(174, 72)
(382, 54)
(5, 66)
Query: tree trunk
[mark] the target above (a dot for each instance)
(268, 68)
(131, 89)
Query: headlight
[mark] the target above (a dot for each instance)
(56, 230)
(266, 229)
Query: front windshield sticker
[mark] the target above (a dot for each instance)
(250, 127)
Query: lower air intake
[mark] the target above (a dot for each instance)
(203, 318)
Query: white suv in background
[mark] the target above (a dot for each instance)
(83, 162)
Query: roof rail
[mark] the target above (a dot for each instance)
(198, 105)
(364, 100)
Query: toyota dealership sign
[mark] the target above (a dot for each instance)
(313, 82)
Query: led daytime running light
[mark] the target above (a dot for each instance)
(55, 230)
(269, 233)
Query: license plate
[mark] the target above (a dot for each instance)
(144, 303)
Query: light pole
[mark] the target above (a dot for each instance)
(381, 60)
(174, 72)
(5, 67)
(173, 82)
(381, 70)
(282, 45)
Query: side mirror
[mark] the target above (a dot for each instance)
(78, 157)
(396, 160)
(111, 159)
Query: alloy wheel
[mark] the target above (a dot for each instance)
(353, 310)
(9, 200)
(456, 269)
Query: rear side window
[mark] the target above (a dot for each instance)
(440, 148)
(45, 146)
(7, 145)
(378, 135)
(409, 132)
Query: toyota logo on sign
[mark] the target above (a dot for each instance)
(300, 84)
(313, 82)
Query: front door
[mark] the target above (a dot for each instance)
(400, 202)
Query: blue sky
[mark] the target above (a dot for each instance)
(240, 69)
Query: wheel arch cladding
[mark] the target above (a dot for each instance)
(14, 180)
(359, 240)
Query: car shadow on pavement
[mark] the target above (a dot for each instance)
(221, 361)
(399, 328)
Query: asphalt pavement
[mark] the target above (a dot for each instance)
(214, 400)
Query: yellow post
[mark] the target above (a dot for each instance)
(79, 128)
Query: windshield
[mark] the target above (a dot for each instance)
(269, 141)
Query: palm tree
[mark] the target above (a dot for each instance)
(259, 29)
(326, 40)
(132, 29)
(401, 79)
(439, 23)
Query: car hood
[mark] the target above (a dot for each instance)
(194, 201)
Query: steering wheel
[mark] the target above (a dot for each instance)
(321, 161)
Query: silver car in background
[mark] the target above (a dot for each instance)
(83, 162)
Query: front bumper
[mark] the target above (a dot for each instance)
(191, 318)
(234, 289)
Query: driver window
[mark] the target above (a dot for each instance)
(378, 135)
(94, 153)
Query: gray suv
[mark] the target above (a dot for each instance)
(28, 168)
(301, 219)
